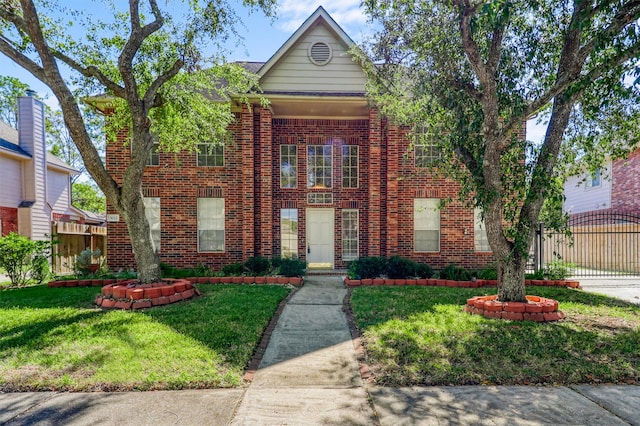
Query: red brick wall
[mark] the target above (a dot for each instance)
(177, 181)
(303, 132)
(405, 183)
(625, 188)
(250, 185)
(9, 218)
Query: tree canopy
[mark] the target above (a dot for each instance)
(160, 65)
(475, 71)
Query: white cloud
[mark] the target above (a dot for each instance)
(347, 13)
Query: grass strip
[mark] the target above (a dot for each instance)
(55, 339)
(421, 336)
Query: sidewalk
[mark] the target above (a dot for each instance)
(309, 375)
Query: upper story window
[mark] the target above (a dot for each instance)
(349, 166)
(210, 154)
(288, 166)
(426, 155)
(154, 155)
(594, 179)
(319, 166)
(426, 152)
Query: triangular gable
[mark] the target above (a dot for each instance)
(294, 69)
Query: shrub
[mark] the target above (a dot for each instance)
(41, 270)
(257, 265)
(399, 267)
(489, 272)
(454, 272)
(558, 269)
(292, 267)
(22, 258)
(84, 261)
(233, 269)
(275, 263)
(367, 267)
(424, 271)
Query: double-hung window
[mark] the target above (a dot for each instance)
(426, 225)
(152, 212)
(211, 224)
(480, 240)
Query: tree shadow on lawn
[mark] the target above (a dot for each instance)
(430, 341)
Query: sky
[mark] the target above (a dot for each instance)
(262, 36)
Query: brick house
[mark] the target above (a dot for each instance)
(319, 174)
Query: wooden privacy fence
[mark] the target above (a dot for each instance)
(72, 239)
(601, 244)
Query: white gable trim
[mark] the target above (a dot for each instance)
(320, 13)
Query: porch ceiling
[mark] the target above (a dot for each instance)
(323, 107)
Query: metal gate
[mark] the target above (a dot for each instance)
(600, 244)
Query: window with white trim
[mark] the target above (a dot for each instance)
(319, 166)
(288, 166)
(426, 225)
(350, 166)
(289, 233)
(152, 212)
(211, 228)
(350, 230)
(210, 155)
(480, 240)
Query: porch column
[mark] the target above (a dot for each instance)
(248, 201)
(266, 183)
(375, 178)
(393, 164)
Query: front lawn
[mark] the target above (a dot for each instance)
(55, 339)
(421, 336)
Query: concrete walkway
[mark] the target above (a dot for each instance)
(309, 375)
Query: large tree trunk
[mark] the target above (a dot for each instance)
(511, 280)
(147, 260)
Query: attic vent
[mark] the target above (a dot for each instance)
(320, 53)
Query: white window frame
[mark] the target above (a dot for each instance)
(346, 256)
(151, 205)
(286, 159)
(480, 240)
(287, 214)
(426, 217)
(349, 169)
(327, 181)
(211, 223)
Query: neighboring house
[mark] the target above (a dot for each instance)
(320, 174)
(614, 187)
(35, 195)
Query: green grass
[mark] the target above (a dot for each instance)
(421, 336)
(55, 339)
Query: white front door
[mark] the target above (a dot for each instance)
(320, 238)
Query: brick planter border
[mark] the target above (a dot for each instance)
(450, 283)
(537, 309)
(132, 295)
